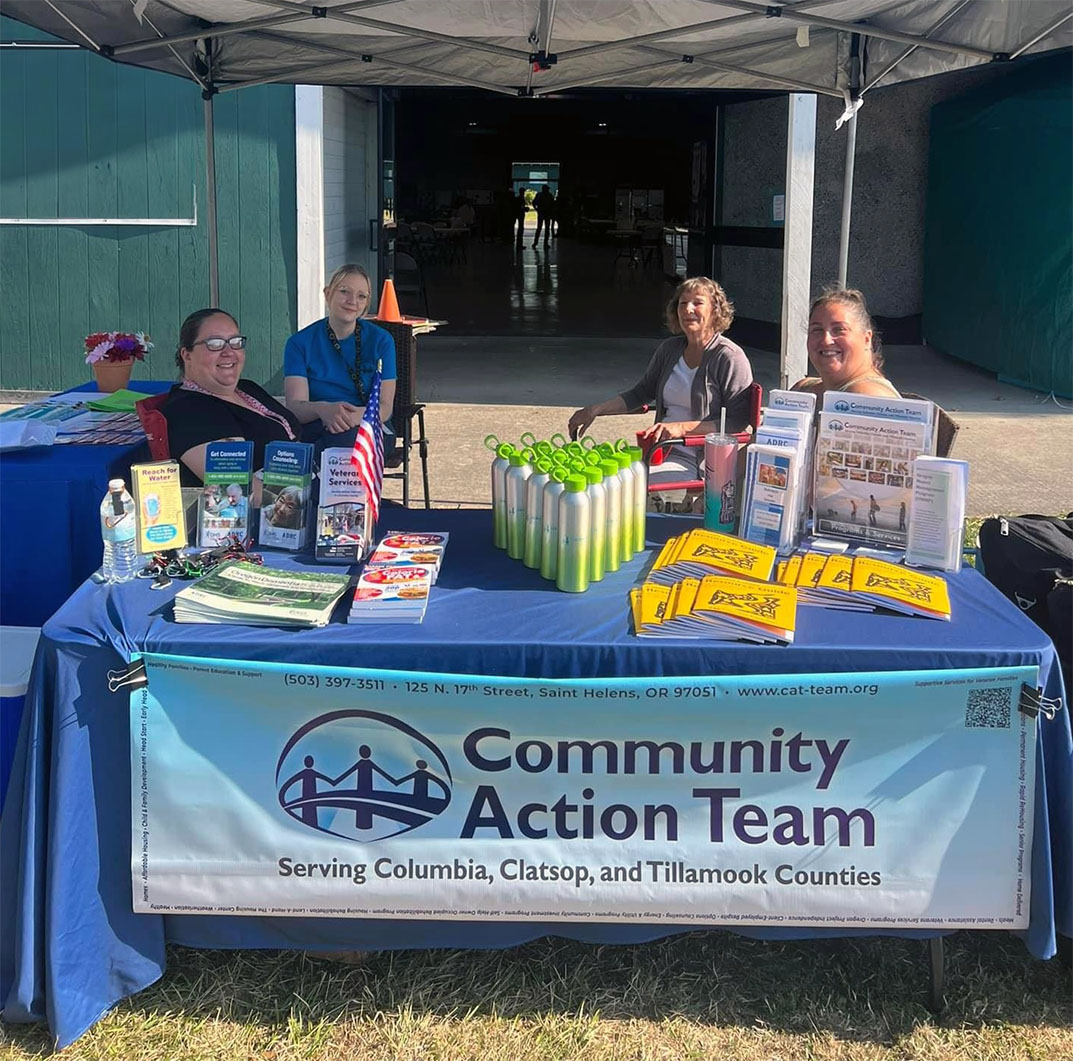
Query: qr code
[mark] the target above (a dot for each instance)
(989, 707)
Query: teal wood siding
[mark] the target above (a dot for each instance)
(84, 137)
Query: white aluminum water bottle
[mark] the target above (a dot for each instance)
(640, 496)
(534, 513)
(499, 492)
(517, 475)
(120, 562)
(575, 528)
(598, 535)
(613, 486)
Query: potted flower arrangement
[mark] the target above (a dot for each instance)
(112, 355)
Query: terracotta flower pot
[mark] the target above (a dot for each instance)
(112, 375)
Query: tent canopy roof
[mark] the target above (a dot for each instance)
(539, 47)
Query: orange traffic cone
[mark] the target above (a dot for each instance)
(389, 303)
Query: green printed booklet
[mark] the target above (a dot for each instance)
(223, 509)
(286, 519)
(242, 592)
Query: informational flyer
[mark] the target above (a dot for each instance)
(864, 480)
(900, 799)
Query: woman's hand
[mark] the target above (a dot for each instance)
(340, 416)
(579, 422)
(659, 432)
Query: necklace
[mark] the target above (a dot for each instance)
(353, 370)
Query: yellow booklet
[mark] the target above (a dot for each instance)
(901, 588)
(786, 571)
(654, 601)
(809, 572)
(703, 552)
(158, 498)
(758, 612)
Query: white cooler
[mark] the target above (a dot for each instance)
(17, 647)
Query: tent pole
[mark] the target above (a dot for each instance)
(851, 155)
(797, 235)
(210, 185)
(847, 202)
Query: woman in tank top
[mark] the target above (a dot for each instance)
(844, 347)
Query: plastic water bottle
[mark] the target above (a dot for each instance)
(575, 527)
(117, 532)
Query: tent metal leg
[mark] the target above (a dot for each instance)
(847, 202)
(936, 976)
(210, 186)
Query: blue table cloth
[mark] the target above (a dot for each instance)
(50, 536)
(70, 945)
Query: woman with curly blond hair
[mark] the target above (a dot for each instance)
(692, 377)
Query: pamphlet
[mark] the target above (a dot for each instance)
(896, 587)
(158, 496)
(344, 526)
(242, 592)
(772, 489)
(864, 476)
(391, 594)
(801, 401)
(286, 519)
(940, 486)
(409, 549)
(223, 508)
(703, 552)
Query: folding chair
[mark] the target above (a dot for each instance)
(406, 410)
(150, 413)
(756, 396)
(948, 427)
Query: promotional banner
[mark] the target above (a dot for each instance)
(890, 800)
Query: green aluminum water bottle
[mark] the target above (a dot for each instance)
(613, 486)
(549, 524)
(575, 528)
(625, 477)
(534, 512)
(499, 493)
(598, 507)
(640, 497)
(517, 475)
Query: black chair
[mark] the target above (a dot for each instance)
(946, 430)
(406, 410)
(409, 279)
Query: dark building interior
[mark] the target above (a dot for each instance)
(631, 167)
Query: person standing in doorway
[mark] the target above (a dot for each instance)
(519, 215)
(545, 211)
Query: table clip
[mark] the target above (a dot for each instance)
(131, 678)
(1034, 703)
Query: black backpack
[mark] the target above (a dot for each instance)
(1030, 559)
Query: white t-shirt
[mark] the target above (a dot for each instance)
(677, 393)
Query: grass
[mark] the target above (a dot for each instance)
(700, 996)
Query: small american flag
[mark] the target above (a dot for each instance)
(368, 453)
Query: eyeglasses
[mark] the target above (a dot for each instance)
(216, 344)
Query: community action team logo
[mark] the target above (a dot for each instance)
(362, 775)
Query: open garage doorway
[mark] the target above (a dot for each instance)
(627, 195)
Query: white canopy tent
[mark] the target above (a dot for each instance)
(533, 48)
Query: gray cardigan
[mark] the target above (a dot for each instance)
(723, 379)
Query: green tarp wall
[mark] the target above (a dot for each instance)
(998, 246)
(82, 137)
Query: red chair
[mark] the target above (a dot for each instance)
(150, 413)
(756, 396)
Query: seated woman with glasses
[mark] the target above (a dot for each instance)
(212, 401)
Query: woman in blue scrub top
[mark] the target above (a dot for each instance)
(328, 366)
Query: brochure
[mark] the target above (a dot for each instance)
(391, 594)
(344, 530)
(703, 552)
(409, 548)
(286, 516)
(864, 476)
(772, 488)
(937, 520)
(245, 593)
(801, 401)
(158, 498)
(223, 507)
(896, 587)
